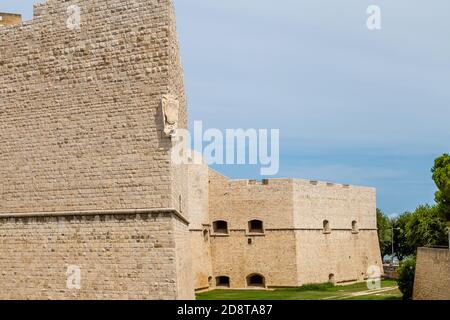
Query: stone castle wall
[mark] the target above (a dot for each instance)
(293, 249)
(432, 279)
(119, 256)
(80, 113)
(272, 254)
(199, 227)
(315, 201)
(184, 280)
(238, 201)
(82, 140)
(343, 254)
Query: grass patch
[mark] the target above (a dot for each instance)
(306, 292)
(314, 287)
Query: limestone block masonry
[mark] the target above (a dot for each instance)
(432, 278)
(291, 245)
(120, 256)
(82, 151)
(91, 205)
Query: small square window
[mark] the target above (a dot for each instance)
(223, 281)
(255, 226)
(220, 227)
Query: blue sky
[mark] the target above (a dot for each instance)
(353, 105)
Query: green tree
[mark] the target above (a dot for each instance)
(405, 280)
(441, 176)
(384, 233)
(401, 247)
(426, 227)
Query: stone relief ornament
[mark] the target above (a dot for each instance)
(170, 107)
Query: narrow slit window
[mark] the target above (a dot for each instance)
(326, 226)
(205, 235)
(355, 226)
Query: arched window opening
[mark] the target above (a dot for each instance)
(326, 226)
(223, 281)
(256, 280)
(210, 281)
(255, 226)
(220, 227)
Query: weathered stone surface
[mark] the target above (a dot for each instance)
(120, 257)
(82, 132)
(432, 278)
(293, 249)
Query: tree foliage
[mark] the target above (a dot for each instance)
(401, 246)
(423, 227)
(441, 176)
(405, 280)
(426, 227)
(384, 233)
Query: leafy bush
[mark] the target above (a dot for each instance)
(406, 273)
